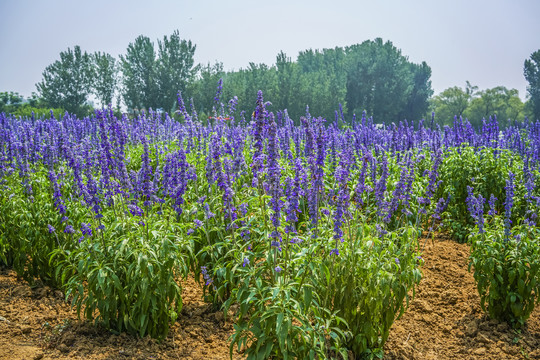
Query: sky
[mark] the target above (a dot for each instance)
(484, 42)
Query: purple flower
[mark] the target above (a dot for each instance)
(396, 260)
(246, 262)
(86, 229)
(334, 252)
(207, 211)
(206, 276)
(491, 202)
(278, 269)
(135, 210)
(51, 229)
(296, 240)
(190, 231)
(198, 223)
(69, 229)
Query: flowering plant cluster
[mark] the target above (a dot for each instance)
(310, 231)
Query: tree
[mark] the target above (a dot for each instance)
(140, 88)
(531, 70)
(418, 101)
(105, 77)
(174, 68)
(452, 102)
(203, 89)
(499, 101)
(381, 81)
(68, 82)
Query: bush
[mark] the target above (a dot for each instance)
(507, 272)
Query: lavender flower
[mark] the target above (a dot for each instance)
(491, 202)
(86, 229)
(206, 276)
(51, 229)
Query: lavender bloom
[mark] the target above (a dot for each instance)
(342, 177)
(334, 252)
(206, 276)
(274, 173)
(296, 240)
(491, 202)
(135, 210)
(198, 223)
(476, 208)
(209, 214)
(58, 201)
(69, 229)
(51, 229)
(397, 261)
(278, 269)
(246, 262)
(190, 231)
(86, 229)
(218, 91)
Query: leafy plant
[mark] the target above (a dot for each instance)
(507, 272)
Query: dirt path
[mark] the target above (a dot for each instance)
(443, 322)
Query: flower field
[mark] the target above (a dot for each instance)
(309, 236)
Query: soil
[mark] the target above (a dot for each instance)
(444, 321)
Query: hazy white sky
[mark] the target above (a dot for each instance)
(485, 42)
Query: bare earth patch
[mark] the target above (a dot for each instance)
(443, 322)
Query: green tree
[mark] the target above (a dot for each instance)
(203, 88)
(499, 101)
(381, 81)
(175, 68)
(67, 82)
(531, 70)
(452, 102)
(139, 80)
(105, 77)
(418, 102)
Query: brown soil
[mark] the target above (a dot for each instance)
(443, 322)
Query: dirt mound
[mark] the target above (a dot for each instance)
(443, 322)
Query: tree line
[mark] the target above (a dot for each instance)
(337, 83)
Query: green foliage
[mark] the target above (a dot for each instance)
(127, 275)
(67, 82)
(175, 68)
(507, 271)
(383, 82)
(280, 313)
(476, 105)
(485, 170)
(139, 74)
(153, 80)
(531, 71)
(105, 77)
(368, 283)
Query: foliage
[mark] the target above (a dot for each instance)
(307, 235)
(68, 82)
(507, 272)
(483, 170)
(531, 71)
(152, 80)
(105, 77)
